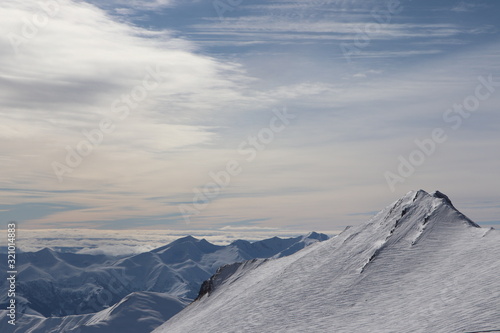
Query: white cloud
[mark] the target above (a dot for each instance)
(360, 75)
(61, 74)
(126, 242)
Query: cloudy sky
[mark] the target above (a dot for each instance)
(251, 115)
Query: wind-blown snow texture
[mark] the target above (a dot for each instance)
(64, 292)
(417, 266)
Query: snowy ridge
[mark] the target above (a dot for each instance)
(227, 274)
(417, 266)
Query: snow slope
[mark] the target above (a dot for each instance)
(419, 265)
(63, 292)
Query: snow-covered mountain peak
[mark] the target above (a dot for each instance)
(419, 265)
(182, 240)
(188, 244)
(419, 208)
(44, 258)
(404, 224)
(315, 235)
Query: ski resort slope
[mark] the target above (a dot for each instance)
(419, 265)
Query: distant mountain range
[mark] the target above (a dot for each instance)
(419, 265)
(67, 292)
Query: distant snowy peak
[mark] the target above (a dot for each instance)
(311, 238)
(315, 235)
(275, 247)
(188, 242)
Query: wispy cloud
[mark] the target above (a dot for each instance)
(467, 6)
(261, 28)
